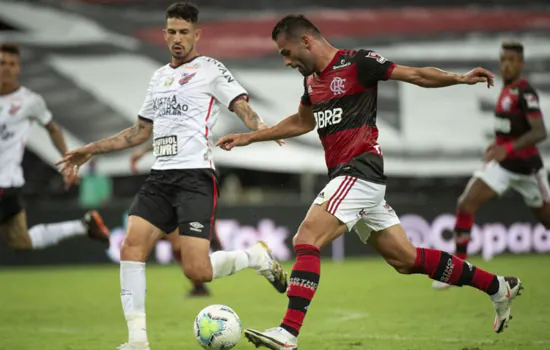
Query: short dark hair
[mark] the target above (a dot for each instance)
(183, 10)
(513, 46)
(294, 25)
(10, 48)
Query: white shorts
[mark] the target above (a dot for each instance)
(534, 188)
(359, 204)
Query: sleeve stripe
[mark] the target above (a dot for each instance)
(535, 114)
(243, 96)
(145, 119)
(389, 71)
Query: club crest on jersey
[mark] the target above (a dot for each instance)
(506, 103)
(186, 77)
(337, 86)
(14, 107)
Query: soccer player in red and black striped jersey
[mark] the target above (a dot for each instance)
(513, 160)
(340, 92)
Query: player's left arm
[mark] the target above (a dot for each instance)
(530, 107)
(372, 68)
(42, 114)
(56, 135)
(431, 77)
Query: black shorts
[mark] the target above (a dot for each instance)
(11, 202)
(183, 198)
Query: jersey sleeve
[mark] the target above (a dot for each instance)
(371, 67)
(529, 103)
(147, 110)
(40, 111)
(225, 88)
(305, 100)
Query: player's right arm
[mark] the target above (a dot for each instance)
(292, 126)
(140, 132)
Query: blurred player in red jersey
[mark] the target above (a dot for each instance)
(199, 288)
(340, 97)
(513, 161)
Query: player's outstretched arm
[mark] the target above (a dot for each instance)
(136, 135)
(250, 118)
(295, 125)
(56, 135)
(430, 77)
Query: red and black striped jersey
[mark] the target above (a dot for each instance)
(343, 98)
(517, 103)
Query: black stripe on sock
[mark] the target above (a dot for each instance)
(460, 235)
(289, 329)
(298, 303)
(444, 260)
(493, 288)
(304, 276)
(467, 274)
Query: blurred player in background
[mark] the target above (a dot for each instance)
(199, 289)
(340, 94)
(181, 191)
(19, 109)
(513, 161)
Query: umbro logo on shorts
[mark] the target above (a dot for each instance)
(196, 226)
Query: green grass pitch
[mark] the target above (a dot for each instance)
(360, 304)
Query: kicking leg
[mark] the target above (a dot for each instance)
(393, 244)
(41, 236)
(318, 229)
(543, 214)
(139, 241)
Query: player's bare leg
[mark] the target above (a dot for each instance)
(543, 214)
(199, 288)
(476, 194)
(140, 238)
(19, 237)
(318, 229)
(397, 250)
(199, 267)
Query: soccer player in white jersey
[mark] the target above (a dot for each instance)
(20, 108)
(180, 109)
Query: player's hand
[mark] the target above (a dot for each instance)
(135, 157)
(234, 140)
(71, 163)
(495, 153)
(478, 75)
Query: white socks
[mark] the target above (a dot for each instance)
(227, 263)
(132, 295)
(45, 235)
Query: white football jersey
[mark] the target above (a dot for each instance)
(18, 111)
(183, 103)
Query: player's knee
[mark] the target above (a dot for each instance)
(404, 264)
(307, 234)
(197, 273)
(19, 244)
(133, 249)
(467, 205)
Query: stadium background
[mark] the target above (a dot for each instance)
(92, 59)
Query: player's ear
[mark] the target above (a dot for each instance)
(198, 33)
(165, 35)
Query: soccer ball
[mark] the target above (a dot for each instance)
(217, 327)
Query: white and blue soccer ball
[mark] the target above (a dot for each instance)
(218, 327)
